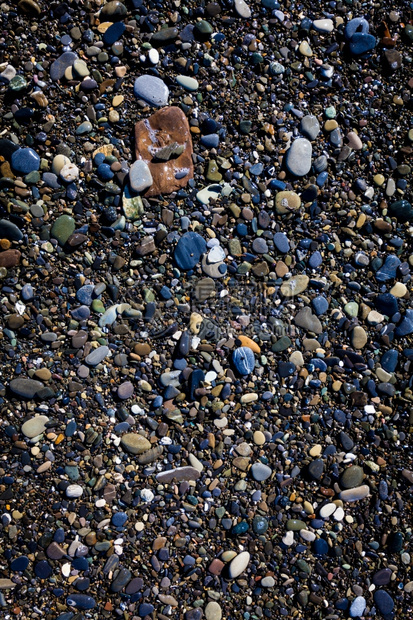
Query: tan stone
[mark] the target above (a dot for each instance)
(162, 129)
(247, 342)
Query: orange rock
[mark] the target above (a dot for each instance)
(166, 126)
(251, 344)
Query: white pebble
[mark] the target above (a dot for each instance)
(69, 172)
(154, 56)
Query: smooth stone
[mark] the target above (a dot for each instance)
(140, 177)
(97, 356)
(189, 83)
(316, 469)
(310, 127)
(213, 611)
(298, 157)
(353, 495)
(352, 477)
(357, 607)
(179, 474)
(268, 582)
(361, 43)
(113, 33)
(244, 360)
(308, 321)
(189, 250)
(358, 337)
(323, 25)
(357, 24)
(295, 525)
(19, 564)
(382, 577)
(114, 10)
(74, 491)
(294, 286)
(320, 305)
(59, 66)
(384, 602)
(63, 228)
(81, 601)
(152, 89)
(406, 326)
(402, 210)
(125, 390)
(260, 472)
(145, 609)
(27, 388)
(281, 242)
(135, 443)
(239, 564)
(109, 316)
(121, 580)
(10, 231)
(242, 9)
(10, 258)
(35, 426)
(25, 160)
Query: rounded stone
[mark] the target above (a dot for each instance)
(298, 157)
(134, 443)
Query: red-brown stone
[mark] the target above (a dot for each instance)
(10, 258)
(163, 128)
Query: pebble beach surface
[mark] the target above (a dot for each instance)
(206, 256)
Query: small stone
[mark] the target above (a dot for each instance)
(294, 286)
(352, 477)
(298, 157)
(260, 472)
(358, 337)
(353, 495)
(310, 126)
(239, 564)
(140, 177)
(242, 9)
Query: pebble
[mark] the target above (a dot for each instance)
(25, 160)
(239, 564)
(298, 157)
(140, 177)
(152, 89)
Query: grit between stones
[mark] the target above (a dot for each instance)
(205, 269)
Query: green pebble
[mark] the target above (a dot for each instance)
(330, 112)
(295, 525)
(97, 306)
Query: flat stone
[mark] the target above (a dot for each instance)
(244, 360)
(239, 564)
(307, 320)
(310, 126)
(74, 491)
(10, 258)
(152, 89)
(189, 250)
(7, 584)
(26, 388)
(166, 127)
(121, 580)
(358, 337)
(213, 611)
(10, 231)
(287, 202)
(97, 356)
(189, 83)
(260, 472)
(352, 477)
(135, 443)
(179, 474)
(125, 390)
(357, 607)
(298, 157)
(140, 177)
(59, 66)
(25, 161)
(63, 228)
(35, 426)
(242, 9)
(294, 286)
(353, 495)
(81, 601)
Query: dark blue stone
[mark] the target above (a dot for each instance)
(81, 314)
(25, 161)
(342, 604)
(85, 294)
(315, 260)
(20, 564)
(321, 178)
(80, 564)
(113, 33)
(59, 535)
(320, 305)
(59, 66)
(358, 24)
(195, 379)
(242, 229)
(189, 250)
(145, 609)
(281, 242)
(402, 210)
(388, 270)
(104, 171)
(244, 360)
(99, 159)
(320, 546)
(286, 369)
(384, 602)
(210, 141)
(43, 570)
(119, 519)
(362, 43)
(81, 601)
(165, 292)
(395, 542)
(389, 360)
(406, 326)
(386, 304)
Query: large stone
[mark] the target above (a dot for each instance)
(134, 443)
(298, 157)
(10, 258)
(26, 388)
(152, 89)
(164, 128)
(294, 286)
(35, 426)
(178, 474)
(239, 564)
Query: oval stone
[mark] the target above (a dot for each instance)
(298, 157)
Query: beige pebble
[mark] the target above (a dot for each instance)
(195, 322)
(316, 450)
(374, 317)
(113, 116)
(354, 141)
(399, 289)
(259, 438)
(358, 337)
(249, 398)
(117, 100)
